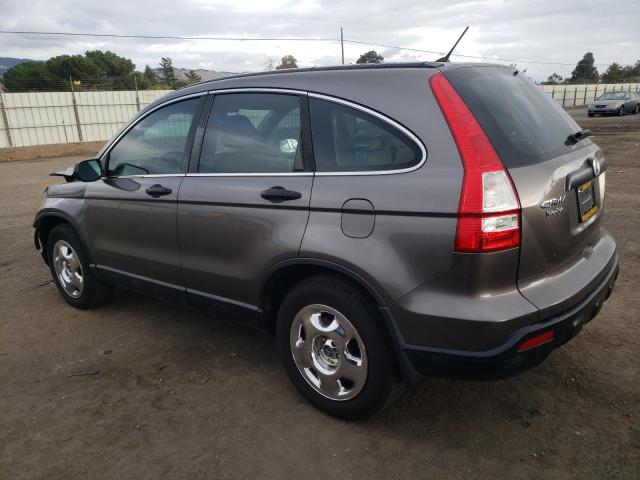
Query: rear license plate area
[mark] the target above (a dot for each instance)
(587, 204)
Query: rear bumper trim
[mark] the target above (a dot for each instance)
(565, 326)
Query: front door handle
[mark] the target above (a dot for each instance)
(280, 194)
(158, 190)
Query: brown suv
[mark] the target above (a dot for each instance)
(385, 222)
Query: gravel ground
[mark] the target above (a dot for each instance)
(143, 389)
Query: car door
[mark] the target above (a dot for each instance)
(131, 211)
(244, 206)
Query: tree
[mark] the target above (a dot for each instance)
(288, 61)
(554, 79)
(150, 75)
(95, 69)
(32, 76)
(166, 71)
(585, 70)
(370, 57)
(192, 77)
(268, 64)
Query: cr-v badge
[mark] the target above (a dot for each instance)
(553, 206)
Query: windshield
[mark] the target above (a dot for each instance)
(612, 96)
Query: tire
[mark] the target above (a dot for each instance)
(70, 270)
(637, 109)
(590, 114)
(355, 375)
(621, 111)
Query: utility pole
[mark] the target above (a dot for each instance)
(342, 44)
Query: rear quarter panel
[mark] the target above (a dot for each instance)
(413, 235)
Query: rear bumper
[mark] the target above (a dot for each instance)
(505, 359)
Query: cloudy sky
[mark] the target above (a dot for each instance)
(552, 31)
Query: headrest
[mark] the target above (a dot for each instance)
(237, 131)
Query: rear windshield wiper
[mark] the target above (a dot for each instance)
(581, 135)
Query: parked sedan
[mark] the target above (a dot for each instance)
(616, 103)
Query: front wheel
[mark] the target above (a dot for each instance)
(70, 270)
(621, 111)
(334, 349)
(637, 109)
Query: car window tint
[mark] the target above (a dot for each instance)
(347, 140)
(156, 144)
(524, 124)
(252, 133)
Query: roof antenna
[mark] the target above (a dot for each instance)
(446, 57)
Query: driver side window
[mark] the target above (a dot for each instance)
(156, 144)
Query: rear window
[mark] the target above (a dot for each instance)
(524, 124)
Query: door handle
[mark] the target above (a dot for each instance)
(158, 190)
(280, 194)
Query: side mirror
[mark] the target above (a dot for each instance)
(88, 170)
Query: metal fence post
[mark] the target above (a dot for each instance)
(584, 100)
(75, 110)
(135, 83)
(575, 94)
(5, 119)
(564, 94)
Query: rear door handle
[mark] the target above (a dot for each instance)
(158, 190)
(280, 194)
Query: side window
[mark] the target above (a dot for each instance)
(348, 140)
(156, 144)
(252, 133)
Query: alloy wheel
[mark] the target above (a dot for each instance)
(68, 269)
(329, 352)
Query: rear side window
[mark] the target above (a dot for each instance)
(252, 133)
(524, 124)
(349, 140)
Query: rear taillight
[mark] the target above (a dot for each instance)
(489, 210)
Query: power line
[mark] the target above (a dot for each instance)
(279, 39)
(461, 55)
(175, 37)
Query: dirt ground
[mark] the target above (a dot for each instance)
(143, 389)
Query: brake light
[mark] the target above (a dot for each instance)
(489, 209)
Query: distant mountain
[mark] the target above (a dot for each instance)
(204, 74)
(7, 62)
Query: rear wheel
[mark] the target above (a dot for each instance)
(637, 109)
(70, 270)
(334, 349)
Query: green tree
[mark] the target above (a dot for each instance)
(32, 76)
(150, 75)
(192, 77)
(288, 61)
(110, 63)
(370, 57)
(554, 79)
(167, 73)
(585, 70)
(95, 69)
